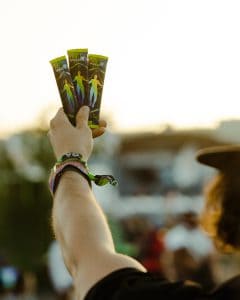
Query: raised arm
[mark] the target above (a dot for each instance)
(78, 221)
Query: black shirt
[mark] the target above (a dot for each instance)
(130, 284)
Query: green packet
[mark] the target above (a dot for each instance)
(78, 66)
(65, 87)
(96, 73)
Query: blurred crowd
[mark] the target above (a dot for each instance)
(179, 250)
(153, 216)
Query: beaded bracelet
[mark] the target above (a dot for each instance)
(74, 161)
(73, 156)
(60, 168)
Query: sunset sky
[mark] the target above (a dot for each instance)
(174, 62)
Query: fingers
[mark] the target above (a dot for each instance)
(98, 132)
(81, 119)
(59, 118)
(82, 116)
(102, 123)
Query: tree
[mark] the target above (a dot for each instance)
(25, 201)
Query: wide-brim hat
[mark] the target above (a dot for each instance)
(222, 158)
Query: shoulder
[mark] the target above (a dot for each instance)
(130, 283)
(228, 290)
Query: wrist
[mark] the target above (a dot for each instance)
(75, 162)
(84, 154)
(72, 157)
(67, 166)
(72, 179)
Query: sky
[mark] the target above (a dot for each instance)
(175, 62)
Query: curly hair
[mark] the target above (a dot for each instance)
(221, 215)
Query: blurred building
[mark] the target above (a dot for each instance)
(157, 173)
(159, 179)
(229, 131)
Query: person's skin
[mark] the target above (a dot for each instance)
(78, 221)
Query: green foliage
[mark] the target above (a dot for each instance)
(119, 239)
(25, 204)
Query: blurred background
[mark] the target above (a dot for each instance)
(171, 88)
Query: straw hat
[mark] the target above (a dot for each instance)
(222, 158)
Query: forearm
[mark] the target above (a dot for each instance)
(78, 221)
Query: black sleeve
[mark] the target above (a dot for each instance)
(130, 284)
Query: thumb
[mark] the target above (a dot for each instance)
(82, 116)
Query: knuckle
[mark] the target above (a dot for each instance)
(81, 121)
(82, 125)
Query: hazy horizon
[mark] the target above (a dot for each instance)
(173, 62)
(114, 127)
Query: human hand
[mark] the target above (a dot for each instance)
(66, 138)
